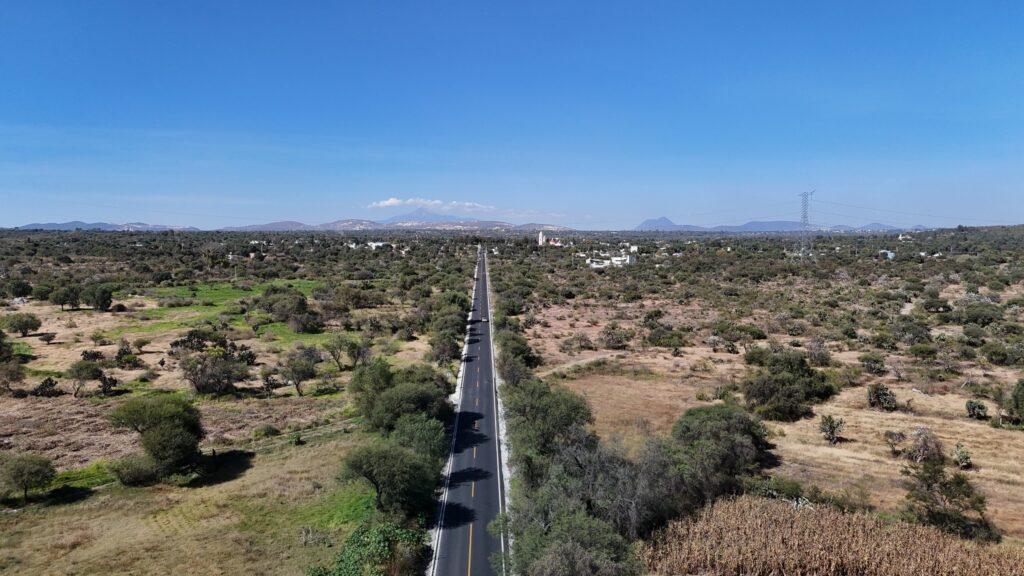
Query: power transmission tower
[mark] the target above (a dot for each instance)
(805, 221)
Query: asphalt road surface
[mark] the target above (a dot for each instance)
(473, 496)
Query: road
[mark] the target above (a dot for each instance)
(473, 494)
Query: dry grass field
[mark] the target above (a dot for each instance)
(643, 390)
(246, 521)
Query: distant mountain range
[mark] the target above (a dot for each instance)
(420, 219)
(665, 225)
(105, 226)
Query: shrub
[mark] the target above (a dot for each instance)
(881, 397)
(784, 386)
(265, 431)
(831, 428)
(615, 337)
(135, 470)
(961, 457)
(977, 410)
(873, 363)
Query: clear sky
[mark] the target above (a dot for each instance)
(591, 114)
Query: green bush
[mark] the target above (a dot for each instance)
(881, 397)
(265, 431)
(135, 470)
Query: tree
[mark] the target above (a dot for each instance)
(1015, 404)
(6, 349)
(48, 337)
(359, 350)
(141, 343)
(19, 288)
(25, 472)
(299, 365)
(1000, 399)
(949, 503)
(403, 480)
(11, 372)
(213, 371)
(894, 438)
(335, 347)
(368, 382)
(408, 398)
(22, 323)
(925, 446)
(170, 427)
(69, 295)
(718, 444)
(81, 372)
(444, 348)
(99, 296)
(421, 434)
(831, 428)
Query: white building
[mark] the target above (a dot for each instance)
(541, 239)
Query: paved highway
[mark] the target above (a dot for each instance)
(474, 487)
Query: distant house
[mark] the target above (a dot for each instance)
(887, 254)
(614, 261)
(543, 240)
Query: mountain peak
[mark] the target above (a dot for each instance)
(424, 215)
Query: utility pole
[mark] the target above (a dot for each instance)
(805, 221)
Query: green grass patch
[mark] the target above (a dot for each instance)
(90, 476)
(283, 334)
(39, 373)
(23, 348)
(349, 504)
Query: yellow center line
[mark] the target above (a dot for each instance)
(474, 455)
(472, 490)
(469, 561)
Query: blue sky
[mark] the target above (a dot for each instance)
(590, 114)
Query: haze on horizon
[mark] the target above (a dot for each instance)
(593, 115)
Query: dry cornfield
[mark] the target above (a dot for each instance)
(757, 537)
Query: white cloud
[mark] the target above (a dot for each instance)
(451, 205)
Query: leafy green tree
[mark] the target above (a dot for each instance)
(421, 434)
(170, 426)
(299, 365)
(948, 502)
(718, 444)
(213, 371)
(403, 480)
(68, 295)
(23, 323)
(359, 350)
(25, 472)
(1015, 403)
(19, 288)
(81, 372)
(368, 382)
(335, 347)
(11, 372)
(408, 398)
(98, 296)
